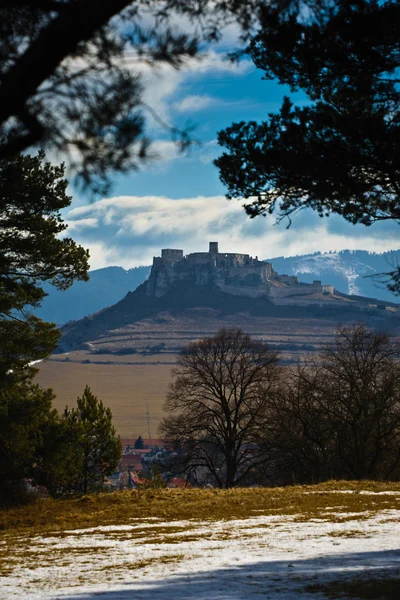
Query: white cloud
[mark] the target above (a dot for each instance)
(130, 230)
(194, 103)
(82, 224)
(163, 84)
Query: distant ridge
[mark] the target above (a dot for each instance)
(105, 287)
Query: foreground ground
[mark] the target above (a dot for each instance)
(335, 540)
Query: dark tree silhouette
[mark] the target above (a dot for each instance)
(218, 405)
(339, 417)
(340, 154)
(68, 79)
(32, 194)
(139, 444)
(80, 449)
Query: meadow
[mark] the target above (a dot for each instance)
(127, 384)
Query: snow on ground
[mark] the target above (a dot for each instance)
(264, 557)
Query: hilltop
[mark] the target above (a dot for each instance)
(350, 272)
(187, 297)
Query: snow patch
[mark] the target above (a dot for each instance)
(273, 557)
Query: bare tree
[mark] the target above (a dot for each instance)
(339, 417)
(360, 396)
(218, 405)
(297, 438)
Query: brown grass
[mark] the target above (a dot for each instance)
(85, 355)
(302, 502)
(126, 389)
(349, 533)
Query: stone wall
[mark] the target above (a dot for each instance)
(301, 289)
(328, 289)
(169, 254)
(200, 258)
(243, 290)
(261, 272)
(288, 279)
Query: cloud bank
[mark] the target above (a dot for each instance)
(129, 230)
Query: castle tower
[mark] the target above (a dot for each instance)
(213, 248)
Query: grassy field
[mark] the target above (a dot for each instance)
(125, 388)
(321, 501)
(333, 540)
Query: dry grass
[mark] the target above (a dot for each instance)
(119, 508)
(164, 526)
(81, 356)
(126, 389)
(349, 533)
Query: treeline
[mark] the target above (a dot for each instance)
(237, 417)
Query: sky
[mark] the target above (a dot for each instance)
(177, 201)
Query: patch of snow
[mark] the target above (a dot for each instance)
(321, 264)
(272, 557)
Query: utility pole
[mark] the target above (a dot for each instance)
(148, 421)
(130, 477)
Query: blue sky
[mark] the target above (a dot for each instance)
(178, 201)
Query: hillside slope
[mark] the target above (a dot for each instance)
(151, 324)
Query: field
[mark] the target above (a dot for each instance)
(336, 540)
(127, 384)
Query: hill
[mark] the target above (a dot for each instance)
(189, 297)
(350, 272)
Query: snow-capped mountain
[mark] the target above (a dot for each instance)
(351, 272)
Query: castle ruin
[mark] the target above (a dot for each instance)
(232, 273)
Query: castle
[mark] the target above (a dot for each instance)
(235, 274)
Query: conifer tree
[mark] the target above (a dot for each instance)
(96, 448)
(139, 445)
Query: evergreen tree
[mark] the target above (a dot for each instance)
(139, 444)
(32, 195)
(93, 448)
(25, 416)
(338, 153)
